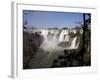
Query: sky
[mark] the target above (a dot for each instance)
(50, 19)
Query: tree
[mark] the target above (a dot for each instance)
(86, 23)
(64, 28)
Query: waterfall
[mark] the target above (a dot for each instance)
(51, 40)
(73, 44)
(44, 33)
(64, 36)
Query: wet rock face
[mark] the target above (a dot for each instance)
(64, 44)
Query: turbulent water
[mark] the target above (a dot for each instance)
(57, 39)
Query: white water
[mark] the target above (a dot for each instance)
(73, 44)
(51, 41)
(64, 36)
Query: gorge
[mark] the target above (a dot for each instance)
(49, 44)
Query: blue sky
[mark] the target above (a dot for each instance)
(47, 19)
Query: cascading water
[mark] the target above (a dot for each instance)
(44, 33)
(73, 44)
(51, 40)
(64, 36)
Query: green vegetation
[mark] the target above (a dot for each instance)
(64, 28)
(31, 43)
